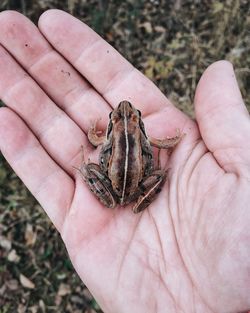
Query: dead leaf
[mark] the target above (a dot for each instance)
(71, 5)
(160, 29)
(77, 300)
(30, 235)
(33, 309)
(13, 256)
(63, 290)
(147, 26)
(61, 276)
(5, 243)
(217, 7)
(12, 284)
(3, 290)
(27, 283)
(42, 305)
(21, 308)
(58, 300)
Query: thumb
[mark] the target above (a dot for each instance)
(222, 117)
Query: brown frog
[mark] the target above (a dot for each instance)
(126, 167)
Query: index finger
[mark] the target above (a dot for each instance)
(110, 74)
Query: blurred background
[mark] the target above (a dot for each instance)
(172, 43)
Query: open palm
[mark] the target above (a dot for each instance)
(189, 251)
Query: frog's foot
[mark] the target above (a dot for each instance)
(95, 136)
(167, 143)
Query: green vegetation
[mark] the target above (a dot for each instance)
(172, 43)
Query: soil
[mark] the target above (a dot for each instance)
(172, 42)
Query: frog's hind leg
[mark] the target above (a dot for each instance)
(99, 184)
(149, 189)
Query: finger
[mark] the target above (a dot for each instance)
(54, 74)
(222, 116)
(52, 187)
(60, 136)
(112, 76)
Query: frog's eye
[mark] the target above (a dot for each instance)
(139, 112)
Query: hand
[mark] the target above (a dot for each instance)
(189, 251)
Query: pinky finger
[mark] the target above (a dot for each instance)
(51, 186)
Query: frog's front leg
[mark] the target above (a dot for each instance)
(167, 143)
(99, 184)
(94, 137)
(149, 188)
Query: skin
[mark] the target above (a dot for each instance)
(189, 251)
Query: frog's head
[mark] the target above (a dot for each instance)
(125, 111)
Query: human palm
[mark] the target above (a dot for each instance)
(189, 251)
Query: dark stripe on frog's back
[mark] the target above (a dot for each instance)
(133, 163)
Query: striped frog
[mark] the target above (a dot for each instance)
(126, 171)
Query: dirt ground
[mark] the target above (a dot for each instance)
(172, 42)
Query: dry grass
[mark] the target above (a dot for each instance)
(172, 42)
